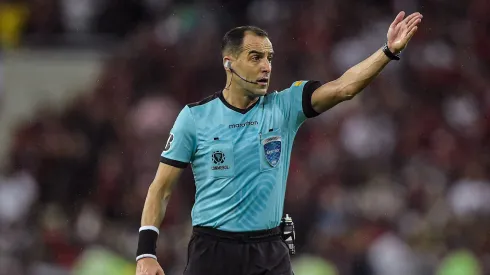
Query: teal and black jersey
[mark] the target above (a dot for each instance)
(240, 158)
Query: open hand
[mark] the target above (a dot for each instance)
(402, 30)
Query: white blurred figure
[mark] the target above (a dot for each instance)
(365, 136)
(470, 196)
(17, 194)
(471, 193)
(350, 51)
(153, 116)
(436, 55)
(265, 12)
(89, 223)
(169, 30)
(380, 199)
(78, 14)
(389, 255)
(462, 114)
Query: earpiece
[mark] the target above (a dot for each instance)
(228, 64)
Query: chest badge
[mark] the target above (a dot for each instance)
(218, 157)
(272, 150)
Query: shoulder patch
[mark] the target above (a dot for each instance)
(169, 142)
(297, 83)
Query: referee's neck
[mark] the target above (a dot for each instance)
(239, 99)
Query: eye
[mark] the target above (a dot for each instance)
(255, 58)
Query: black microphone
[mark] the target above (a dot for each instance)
(228, 64)
(253, 82)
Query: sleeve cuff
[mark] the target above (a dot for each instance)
(174, 163)
(146, 256)
(308, 90)
(149, 227)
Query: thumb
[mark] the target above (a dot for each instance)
(398, 19)
(160, 272)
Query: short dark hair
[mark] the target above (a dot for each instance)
(233, 40)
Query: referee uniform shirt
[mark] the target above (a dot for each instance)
(240, 160)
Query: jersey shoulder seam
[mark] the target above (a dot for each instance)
(195, 129)
(203, 101)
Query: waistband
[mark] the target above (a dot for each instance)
(249, 236)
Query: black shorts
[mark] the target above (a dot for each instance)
(215, 252)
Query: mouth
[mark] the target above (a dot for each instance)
(263, 81)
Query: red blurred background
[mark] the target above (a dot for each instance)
(394, 181)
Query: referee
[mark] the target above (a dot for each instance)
(239, 143)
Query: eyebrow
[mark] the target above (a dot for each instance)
(257, 52)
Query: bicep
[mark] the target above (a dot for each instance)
(165, 179)
(327, 96)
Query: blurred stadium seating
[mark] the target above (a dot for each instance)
(395, 181)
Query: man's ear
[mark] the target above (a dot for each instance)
(227, 63)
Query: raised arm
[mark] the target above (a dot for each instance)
(354, 80)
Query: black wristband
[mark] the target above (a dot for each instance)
(147, 243)
(389, 54)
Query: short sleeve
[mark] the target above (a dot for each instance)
(181, 144)
(296, 101)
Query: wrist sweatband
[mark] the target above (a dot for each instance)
(147, 242)
(389, 54)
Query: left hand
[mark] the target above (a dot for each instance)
(402, 30)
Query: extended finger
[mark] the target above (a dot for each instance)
(411, 33)
(410, 17)
(414, 19)
(398, 19)
(413, 24)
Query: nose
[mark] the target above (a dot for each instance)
(266, 66)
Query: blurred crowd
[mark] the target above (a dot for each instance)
(395, 181)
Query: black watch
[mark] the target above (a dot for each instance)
(389, 54)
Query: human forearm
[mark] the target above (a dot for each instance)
(154, 210)
(153, 213)
(354, 80)
(155, 206)
(159, 194)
